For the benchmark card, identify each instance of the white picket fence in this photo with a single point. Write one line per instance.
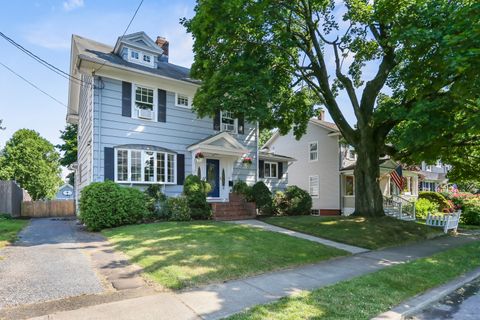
(447, 221)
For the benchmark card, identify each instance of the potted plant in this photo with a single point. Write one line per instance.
(247, 162)
(199, 157)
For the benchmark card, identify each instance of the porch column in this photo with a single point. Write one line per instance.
(409, 184)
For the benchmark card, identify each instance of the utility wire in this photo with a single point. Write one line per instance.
(33, 85)
(124, 32)
(42, 61)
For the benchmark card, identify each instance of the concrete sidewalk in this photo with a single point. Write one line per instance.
(330, 243)
(221, 300)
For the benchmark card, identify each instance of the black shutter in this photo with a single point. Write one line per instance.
(180, 169)
(241, 124)
(261, 168)
(162, 105)
(108, 164)
(280, 170)
(216, 121)
(126, 99)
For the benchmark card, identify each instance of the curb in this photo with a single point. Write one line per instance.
(419, 302)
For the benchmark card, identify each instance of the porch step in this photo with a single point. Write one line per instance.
(237, 209)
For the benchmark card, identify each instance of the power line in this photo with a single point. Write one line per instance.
(42, 61)
(124, 32)
(33, 85)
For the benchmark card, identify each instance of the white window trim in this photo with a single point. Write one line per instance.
(310, 152)
(310, 186)
(270, 164)
(235, 124)
(140, 57)
(155, 102)
(129, 159)
(181, 105)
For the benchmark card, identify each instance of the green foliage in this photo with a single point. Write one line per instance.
(267, 59)
(69, 146)
(262, 197)
(155, 199)
(423, 207)
(437, 198)
(293, 202)
(1, 128)
(177, 209)
(471, 215)
(106, 205)
(241, 187)
(33, 162)
(195, 191)
(265, 135)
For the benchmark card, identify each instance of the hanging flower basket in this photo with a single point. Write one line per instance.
(247, 162)
(199, 157)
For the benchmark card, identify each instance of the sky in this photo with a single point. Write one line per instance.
(45, 27)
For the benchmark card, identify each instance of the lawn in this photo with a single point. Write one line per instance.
(185, 254)
(9, 228)
(370, 233)
(367, 296)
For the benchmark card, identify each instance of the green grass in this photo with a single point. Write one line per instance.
(370, 233)
(367, 296)
(9, 228)
(186, 254)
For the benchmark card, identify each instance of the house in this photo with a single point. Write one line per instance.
(65, 192)
(136, 125)
(317, 165)
(433, 177)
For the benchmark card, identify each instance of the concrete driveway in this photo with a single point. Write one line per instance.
(47, 263)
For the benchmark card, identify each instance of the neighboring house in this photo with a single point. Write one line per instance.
(272, 169)
(137, 127)
(387, 186)
(433, 177)
(317, 168)
(65, 192)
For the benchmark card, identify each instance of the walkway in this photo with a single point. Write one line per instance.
(221, 300)
(330, 243)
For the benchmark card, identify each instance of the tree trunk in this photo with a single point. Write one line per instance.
(368, 196)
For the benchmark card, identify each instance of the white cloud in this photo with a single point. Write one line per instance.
(70, 5)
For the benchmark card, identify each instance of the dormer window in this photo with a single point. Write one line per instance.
(134, 55)
(147, 58)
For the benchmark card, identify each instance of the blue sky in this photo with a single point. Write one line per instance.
(45, 27)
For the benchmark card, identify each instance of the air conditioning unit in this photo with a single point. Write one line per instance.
(145, 114)
(228, 127)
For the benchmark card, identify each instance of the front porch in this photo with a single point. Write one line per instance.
(387, 186)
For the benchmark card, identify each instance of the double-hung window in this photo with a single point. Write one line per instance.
(228, 122)
(270, 170)
(314, 186)
(134, 54)
(144, 103)
(182, 100)
(145, 166)
(313, 151)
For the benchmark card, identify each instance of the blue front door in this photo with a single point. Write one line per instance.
(213, 177)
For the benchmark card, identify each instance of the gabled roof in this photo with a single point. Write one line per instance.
(220, 143)
(139, 40)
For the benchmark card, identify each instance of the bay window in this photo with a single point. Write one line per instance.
(145, 166)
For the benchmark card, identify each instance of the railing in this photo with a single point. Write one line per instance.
(398, 207)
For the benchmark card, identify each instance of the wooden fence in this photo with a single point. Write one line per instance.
(48, 208)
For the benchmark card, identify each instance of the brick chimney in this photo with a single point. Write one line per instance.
(321, 114)
(163, 43)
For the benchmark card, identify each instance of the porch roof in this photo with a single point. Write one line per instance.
(221, 143)
(265, 155)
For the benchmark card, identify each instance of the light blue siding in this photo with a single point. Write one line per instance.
(181, 129)
(84, 138)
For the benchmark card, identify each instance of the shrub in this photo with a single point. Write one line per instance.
(294, 201)
(195, 191)
(177, 209)
(241, 187)
(471, 215)
(423, 207)
(442, 204)
(106, 205)
(155, 199)
(262, 197)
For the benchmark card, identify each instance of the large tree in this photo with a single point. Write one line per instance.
(69, 149)
(33, 162)
(275, 60)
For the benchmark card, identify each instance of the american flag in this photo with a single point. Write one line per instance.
(397, 178)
